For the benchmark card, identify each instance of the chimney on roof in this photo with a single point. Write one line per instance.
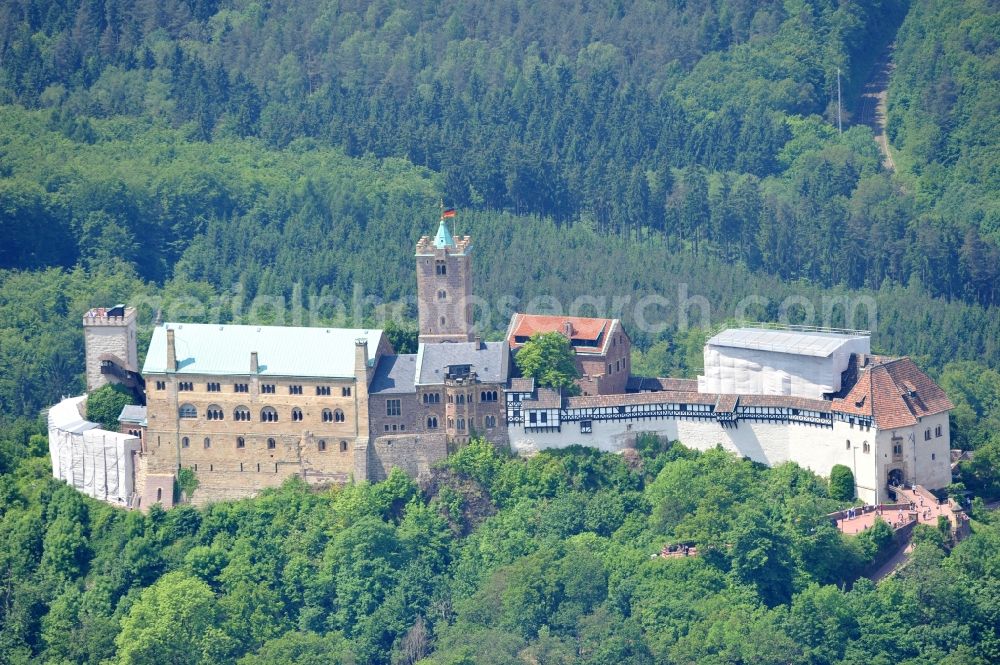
(254, 363)
(568, 329)
(171, 351)
(479, 342)
(361, 360)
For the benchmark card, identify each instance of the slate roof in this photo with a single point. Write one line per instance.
(281, 350)
(395, 375)
(489, 360)
(132, 413)
(638, 384)
(894, 392)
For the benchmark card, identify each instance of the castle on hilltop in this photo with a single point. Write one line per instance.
(244, 407)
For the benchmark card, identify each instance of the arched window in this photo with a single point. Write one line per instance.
(159, 493)
(241, 442)
(460, 399)
(327, 416)
(432, 422)
(491, 421)
(271, 444)
(865, 447)
(461, 424)
(321, 445)
(185, 442)
(338, 416)
(343, 446)
(188, 411)
(208, 442)
(268, 415)
(297, 415)
(214, 412)
(442, 320)
(241, 413)
(437, 398)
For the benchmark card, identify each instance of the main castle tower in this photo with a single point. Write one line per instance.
(444, 287)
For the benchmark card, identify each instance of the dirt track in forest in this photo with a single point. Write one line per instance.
(871, 105)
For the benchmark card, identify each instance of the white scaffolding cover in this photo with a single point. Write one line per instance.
(96, 462)
(752, 361)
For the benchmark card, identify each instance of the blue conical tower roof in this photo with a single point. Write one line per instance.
(443, 238)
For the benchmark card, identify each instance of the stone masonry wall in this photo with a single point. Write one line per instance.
(414, 454)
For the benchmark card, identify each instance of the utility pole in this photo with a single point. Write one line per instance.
(840, 124)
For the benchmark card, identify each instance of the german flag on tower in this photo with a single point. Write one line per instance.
(447, 212)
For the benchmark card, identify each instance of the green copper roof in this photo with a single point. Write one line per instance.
(282, 350)
(443, 238)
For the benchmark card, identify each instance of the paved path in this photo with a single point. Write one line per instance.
(871, 107)
(895, 562)
(926, 510)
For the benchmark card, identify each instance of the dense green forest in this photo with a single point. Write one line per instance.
(275, 161)
(497, 560)
(237, 221)
(706, 124)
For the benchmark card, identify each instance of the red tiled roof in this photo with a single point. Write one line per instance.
(583, 329)
(524, 384)
(789, 401)
(895, 393)
(640, 398)
(545, 398)
(726, 403)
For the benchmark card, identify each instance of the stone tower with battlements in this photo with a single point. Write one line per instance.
(109, 335)
(444, 287)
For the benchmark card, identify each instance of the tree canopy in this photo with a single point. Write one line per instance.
(550, 359)
(496, 559)
(105, 404)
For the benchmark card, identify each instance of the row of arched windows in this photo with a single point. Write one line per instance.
(267, 414)
(271, 444)
(462, 398)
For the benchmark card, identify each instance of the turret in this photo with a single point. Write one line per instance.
(109, 335)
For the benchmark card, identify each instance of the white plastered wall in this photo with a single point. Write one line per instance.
(923, 462)
(817, 448)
